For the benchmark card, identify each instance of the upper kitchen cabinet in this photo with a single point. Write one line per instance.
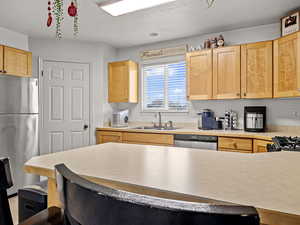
(287, 66)
(227, 73)
(123, 82)
(199, 75)
(257, 70)
(16, 62)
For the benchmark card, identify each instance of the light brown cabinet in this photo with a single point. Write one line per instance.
(147, 138)
(227, 72)
(257, 70)
(16, 62)
(123, 82)
(108, 136)
(199, 75)
(134, 138)
(243, 145)
(260, 145)
(287, 66)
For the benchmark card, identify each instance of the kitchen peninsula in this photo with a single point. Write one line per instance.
(268, 181)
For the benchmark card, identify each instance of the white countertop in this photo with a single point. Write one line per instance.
(267, 180)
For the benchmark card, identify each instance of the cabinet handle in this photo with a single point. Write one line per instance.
(245, 94)
(238, 94)
(1, 71)
(4, 71)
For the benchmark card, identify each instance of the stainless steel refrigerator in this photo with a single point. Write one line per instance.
(19, 119)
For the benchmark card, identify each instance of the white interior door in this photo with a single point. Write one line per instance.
(65, 106)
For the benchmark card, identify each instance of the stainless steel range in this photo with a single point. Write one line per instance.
(19, 117)
(285, 144)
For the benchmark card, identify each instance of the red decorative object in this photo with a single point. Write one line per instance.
(49, 21)
(72, 10)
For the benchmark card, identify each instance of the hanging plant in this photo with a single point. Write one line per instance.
(73, 12)
(59, 17)
(210, 3)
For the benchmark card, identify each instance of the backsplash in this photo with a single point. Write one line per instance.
(281, 112)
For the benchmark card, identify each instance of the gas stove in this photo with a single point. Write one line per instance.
(285, 144)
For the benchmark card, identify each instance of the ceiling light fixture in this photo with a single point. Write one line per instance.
(121, 7)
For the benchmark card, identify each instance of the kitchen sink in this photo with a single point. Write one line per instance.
(154, 128)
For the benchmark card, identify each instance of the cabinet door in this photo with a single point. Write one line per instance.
(199, 75)
(227, 73)
(257, 70)
(17, 62)
(1, 58)
(287, 66)
(260, 145)
(107, 136)
(118, 79)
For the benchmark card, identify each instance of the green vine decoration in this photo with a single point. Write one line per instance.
(59, 17)
(76, 21)
(210, 3)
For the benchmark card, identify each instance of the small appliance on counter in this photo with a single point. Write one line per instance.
(255, 118)
(284, 144)
(231, 120)
(206, 120)
(120, 119)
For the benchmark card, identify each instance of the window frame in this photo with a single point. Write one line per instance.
(147, 110)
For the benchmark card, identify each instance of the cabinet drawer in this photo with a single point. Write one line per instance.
(243, 144)
(107, 136)
(161, 139)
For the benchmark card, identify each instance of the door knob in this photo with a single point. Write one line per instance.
(85, 127)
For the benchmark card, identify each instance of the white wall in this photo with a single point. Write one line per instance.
(13, 39)
(280, 112)
(96, 54)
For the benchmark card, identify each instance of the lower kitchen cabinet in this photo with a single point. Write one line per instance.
(134, 138)
(108, 136)
(147, 138)
(243, 145)
(260, 145)
(228, 144)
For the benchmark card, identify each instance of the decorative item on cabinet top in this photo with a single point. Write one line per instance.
(164, 52)
(290, 24)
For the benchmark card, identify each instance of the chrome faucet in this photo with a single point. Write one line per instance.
(159, 120)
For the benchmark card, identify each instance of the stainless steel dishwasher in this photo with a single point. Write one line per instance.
(196, 141)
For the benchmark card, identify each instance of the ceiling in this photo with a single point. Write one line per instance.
(174, 20)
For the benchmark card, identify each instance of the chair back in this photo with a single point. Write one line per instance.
(5, 183)
(87, 203)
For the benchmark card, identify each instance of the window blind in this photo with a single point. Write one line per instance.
(164, 87)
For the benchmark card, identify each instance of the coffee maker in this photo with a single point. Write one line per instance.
(207, 120)
(255, 118)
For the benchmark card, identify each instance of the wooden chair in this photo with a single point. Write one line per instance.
(51, 216)
(87, 203)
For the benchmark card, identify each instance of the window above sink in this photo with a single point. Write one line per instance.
(164, 87)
